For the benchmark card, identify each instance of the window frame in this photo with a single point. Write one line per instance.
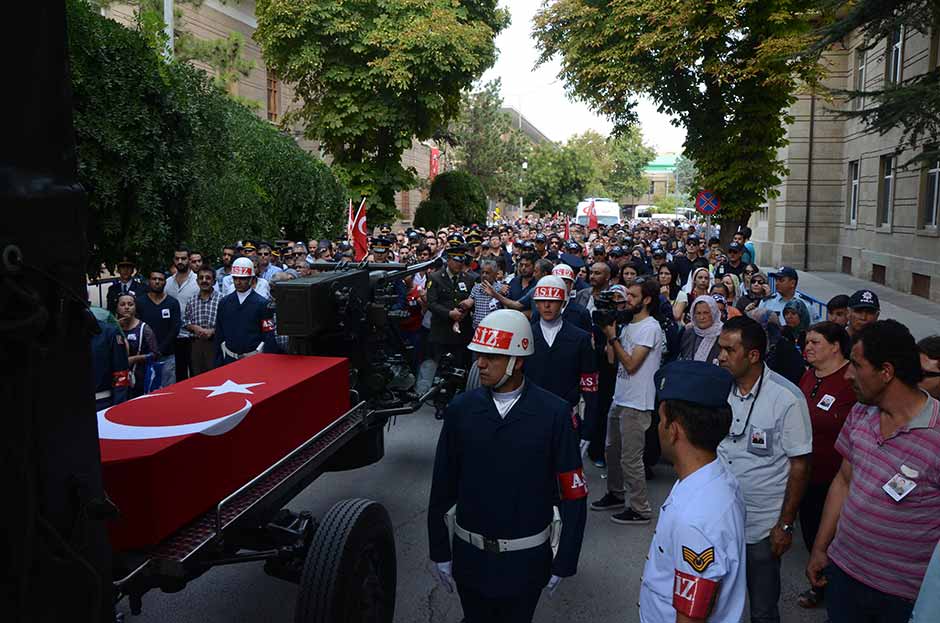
(861, 75)
(854, 186)
(930, 169)
(887, 176)
(273, 95)
(894, 57)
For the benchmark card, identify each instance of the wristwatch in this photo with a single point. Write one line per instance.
(787, 527)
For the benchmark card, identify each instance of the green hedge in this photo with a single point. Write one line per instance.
(456, 196)
(167, 157)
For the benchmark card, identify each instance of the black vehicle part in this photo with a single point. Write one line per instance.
(350, 572)
(366, 448)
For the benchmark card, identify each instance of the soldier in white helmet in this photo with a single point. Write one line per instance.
(508, 453)
(258, 284)
(244, 323)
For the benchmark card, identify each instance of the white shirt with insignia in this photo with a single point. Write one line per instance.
(700, 533)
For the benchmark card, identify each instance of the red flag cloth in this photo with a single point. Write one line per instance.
(360, 239)
(591, 212)
(169, 456)
(435, 164)
(567, 230)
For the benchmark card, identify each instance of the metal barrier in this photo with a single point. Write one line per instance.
(101, 295)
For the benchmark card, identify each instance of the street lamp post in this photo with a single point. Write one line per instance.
(525, 165)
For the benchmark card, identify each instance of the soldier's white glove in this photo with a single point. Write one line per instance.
(584, 447)
(445, 574)
(553, 583)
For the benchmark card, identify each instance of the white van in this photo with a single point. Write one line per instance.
(608, 211)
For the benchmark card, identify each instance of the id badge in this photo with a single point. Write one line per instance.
(826, 402)
(760, 441)
(462, 286)
(164, 313)
(898, 487)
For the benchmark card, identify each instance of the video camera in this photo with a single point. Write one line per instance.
(605, 310)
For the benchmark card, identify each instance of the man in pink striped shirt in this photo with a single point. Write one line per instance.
(882, 515)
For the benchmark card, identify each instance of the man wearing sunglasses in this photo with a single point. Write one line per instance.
(929, 348)
(266, 270)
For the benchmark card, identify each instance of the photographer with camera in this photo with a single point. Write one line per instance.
(636, 340)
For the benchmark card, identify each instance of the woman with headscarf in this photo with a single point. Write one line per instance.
(782, 356)
(671, 289)
(797, 321)
(701, 343)
(733, 284)
(700, 284)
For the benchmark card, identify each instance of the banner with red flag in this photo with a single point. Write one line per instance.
(360, 239)
(591, 213)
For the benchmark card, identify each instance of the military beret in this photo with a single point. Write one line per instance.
(696, 382)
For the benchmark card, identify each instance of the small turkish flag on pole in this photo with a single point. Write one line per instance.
(359, 238)
(592, 215)
(567, 231)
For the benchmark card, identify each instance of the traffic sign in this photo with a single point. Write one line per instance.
(707, 202)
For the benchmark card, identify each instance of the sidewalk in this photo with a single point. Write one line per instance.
(920, 315)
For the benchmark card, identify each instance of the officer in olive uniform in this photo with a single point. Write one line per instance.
(695, 567)
(109, 364)
(507, 455)
(450, 305)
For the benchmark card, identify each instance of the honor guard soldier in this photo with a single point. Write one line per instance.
(450, 304)
(695, 569)
(127, 283)
(109, 363)
(506, 456)
(244, 323)
(380, 248)
(564, 362)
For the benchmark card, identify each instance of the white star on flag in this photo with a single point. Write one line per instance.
(229, 387)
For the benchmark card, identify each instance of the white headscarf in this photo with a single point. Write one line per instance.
(688, 287)
(710, 334)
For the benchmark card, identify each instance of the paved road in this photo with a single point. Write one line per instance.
(605, 589)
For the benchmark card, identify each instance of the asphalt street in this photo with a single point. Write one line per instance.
(604, 590)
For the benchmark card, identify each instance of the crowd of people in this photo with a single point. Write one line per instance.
(633, 341)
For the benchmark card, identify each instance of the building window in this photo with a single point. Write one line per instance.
(894, 57)
(934, 49)
(858, 102)
(273, 99)
(652, 188)
(886, 190)
(931, 194)
(853, 191)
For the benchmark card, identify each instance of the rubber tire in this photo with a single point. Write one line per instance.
(350, 572)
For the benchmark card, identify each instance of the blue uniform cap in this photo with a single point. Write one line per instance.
(697, 382)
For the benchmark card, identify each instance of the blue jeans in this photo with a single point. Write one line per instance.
(850, 601)
(169, 370)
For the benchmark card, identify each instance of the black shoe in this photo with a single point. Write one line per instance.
(607, 503)
(630, 517)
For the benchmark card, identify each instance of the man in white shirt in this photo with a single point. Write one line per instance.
(768, 450)
(638, 351)
(182, 286)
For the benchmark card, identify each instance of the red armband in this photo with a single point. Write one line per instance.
(572, 485)
(267, 325)
(120, 379)
(694, 596)
(589, 382)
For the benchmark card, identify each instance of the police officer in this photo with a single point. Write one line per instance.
(507, 454)
(244, 323)
(450, 305)
(380, 248)
(564, 362)
(127, 283)
(109, 363)
(695, 569)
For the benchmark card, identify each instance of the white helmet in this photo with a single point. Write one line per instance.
(504, 332)
(564, 271)
(243, 267)
(551, 288)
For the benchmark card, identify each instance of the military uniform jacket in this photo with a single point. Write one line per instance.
(135, 287)
(505, 475)
(444, 294)
(109, 364)
(243, 326)
(696, 560)
(567, 368)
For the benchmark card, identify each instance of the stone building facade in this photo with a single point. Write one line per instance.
(850, 203)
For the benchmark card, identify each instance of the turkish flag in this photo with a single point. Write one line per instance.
(360, 239)
(591, 212)
(435, 164)
(169, 456)
(567, 229)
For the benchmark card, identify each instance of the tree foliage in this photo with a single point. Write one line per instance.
(557, 178)
(486, 144)
(913, 105)
(371, 75)
(455, 195)
(166, 156)
(686, 174)
(726, 69)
